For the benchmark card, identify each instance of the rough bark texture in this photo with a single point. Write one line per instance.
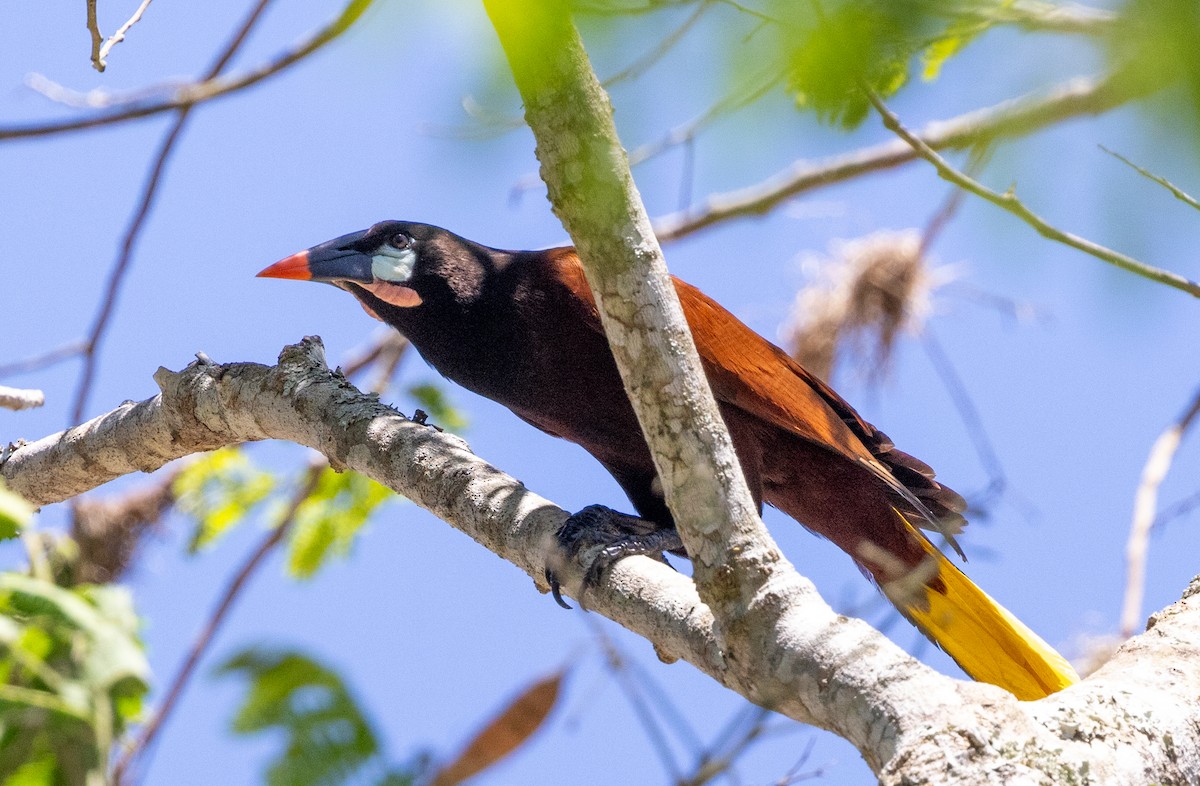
(1136, 721)
(781, 645)
(592, 191)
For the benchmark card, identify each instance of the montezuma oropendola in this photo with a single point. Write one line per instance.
(521, 328)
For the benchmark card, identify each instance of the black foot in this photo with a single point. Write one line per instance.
(618, 535)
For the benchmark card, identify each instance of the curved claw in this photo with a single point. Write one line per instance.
(556, 589)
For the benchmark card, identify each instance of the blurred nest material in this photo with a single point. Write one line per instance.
(862, 296)
(108, 532)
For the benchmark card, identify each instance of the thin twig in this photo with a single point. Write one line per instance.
(204, 90)
(44, 360)
(794, 775)
(969, 414)
(1145, 502)
(20, 398)
(133, 232)
(1009, 202)
(98, 97)
(119, 36)
(1012, 118)
(1177, 509)
(647, 61)
(728, 104)
(200, 646)
(394, 350)
(941, 219)
(93, 26)
(616, 662)
(117, 275)
(1175, 190)
(680, 135)
(730, 743)
(385, 342)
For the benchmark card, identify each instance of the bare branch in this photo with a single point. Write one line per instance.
(208, 406)
(972, 420)
(1009, 202)
(220, 613)
(737, 98)
(93, 26)
(647, 61)
(593, 194)
(205, 90)
(618, 666)
(1145, 503)
(119, 36)
(1175, 190)
(121, 266)
(1037, 16)
(820, 667)
(1012, 118)
(20, 398)
(44, 360)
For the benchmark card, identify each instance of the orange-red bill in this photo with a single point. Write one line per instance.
(294, 267)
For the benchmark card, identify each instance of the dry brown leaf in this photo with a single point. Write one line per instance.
(505, 733)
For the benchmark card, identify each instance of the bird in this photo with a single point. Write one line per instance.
(522, 328)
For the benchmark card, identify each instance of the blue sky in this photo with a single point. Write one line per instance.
(431, 631)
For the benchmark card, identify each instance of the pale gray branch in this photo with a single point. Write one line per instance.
(20, 398)
(119, 36)
(1009, 201)
(1145, 505)
(1013, 118)
(1132, 722)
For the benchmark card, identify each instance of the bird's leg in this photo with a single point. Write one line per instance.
(616, 535)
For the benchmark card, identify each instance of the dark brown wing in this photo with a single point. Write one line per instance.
(750, 373)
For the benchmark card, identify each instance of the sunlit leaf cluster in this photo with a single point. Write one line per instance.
(74, 675)
(14, 513)
(328, 738)
(328, 520)
(218, 491)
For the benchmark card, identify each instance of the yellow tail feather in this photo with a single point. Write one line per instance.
(984, 638)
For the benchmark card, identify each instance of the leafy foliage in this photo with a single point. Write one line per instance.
(1156, 43)
(219, 490)
(836, 50)
(74, 676)
(329, 738)
(327, 521)
(14, 513)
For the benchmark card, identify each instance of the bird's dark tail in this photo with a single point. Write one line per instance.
(983, 637)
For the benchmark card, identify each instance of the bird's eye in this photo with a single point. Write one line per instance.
(400, 241)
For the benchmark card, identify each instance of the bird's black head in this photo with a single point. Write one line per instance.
(397, 266)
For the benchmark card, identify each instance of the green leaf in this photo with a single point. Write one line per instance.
(329, 739)
(34, 772)
(219, 490)
(113, 654)
(434, 401)
(954, 40)
(327, 522)
(15, 513)
(74, 677)
(1154, 44)
(857, 43)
